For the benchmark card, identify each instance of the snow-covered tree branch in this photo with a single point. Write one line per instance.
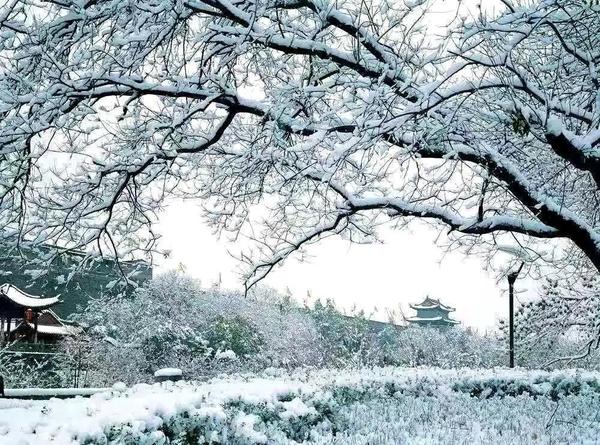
(320, 118)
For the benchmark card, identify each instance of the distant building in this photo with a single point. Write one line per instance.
(72, 276)
(28, 318)
(431, 312)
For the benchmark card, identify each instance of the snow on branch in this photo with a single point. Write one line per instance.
(320, 112)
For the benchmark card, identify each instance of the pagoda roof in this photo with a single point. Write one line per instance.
(20, 298)
(431, 319)
(431, 303)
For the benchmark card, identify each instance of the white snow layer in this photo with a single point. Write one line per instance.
(226, 355)
(52, 392)
(168, 372)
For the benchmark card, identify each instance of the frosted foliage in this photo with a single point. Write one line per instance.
(377, 406)
(457, 420)
(175, 323)
(292, 121)
(450, 348)
(562, 324)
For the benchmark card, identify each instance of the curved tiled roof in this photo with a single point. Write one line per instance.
(431, 319)
(431, 303)
(24, 299)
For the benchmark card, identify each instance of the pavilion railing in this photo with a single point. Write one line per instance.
(26, 348)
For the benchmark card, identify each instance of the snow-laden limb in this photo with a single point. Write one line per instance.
(108, 109)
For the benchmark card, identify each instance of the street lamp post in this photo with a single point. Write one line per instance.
(512, 277)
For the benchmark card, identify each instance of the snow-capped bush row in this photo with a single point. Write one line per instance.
(458, 419)
(374, 406)
(553, 386)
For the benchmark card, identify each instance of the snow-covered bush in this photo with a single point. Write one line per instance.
(362, 406)
(446, 348)
(174, 322)
(346, 338)
(554, 386)
(234, 334)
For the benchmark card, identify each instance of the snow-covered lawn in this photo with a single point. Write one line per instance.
(380, 406)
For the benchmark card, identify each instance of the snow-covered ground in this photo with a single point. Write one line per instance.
(377, 406)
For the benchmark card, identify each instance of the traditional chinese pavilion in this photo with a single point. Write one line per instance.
(26, 317)
(431, 312)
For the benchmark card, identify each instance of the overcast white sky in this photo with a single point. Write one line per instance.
(404, 269)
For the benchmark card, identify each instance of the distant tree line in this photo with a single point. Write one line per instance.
(173, 322)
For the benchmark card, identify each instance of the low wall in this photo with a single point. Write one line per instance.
(49, 393)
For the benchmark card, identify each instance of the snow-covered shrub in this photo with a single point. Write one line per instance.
(280, 333)
(560, 326)
(554, 386)
(374, 406)
(234, 334)
(459, 419)
(175, 323)
(347, 339)
(446, 348)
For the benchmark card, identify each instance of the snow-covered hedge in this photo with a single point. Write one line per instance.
(317, 407)
(555, 385)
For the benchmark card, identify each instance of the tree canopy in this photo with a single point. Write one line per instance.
(330, 117)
